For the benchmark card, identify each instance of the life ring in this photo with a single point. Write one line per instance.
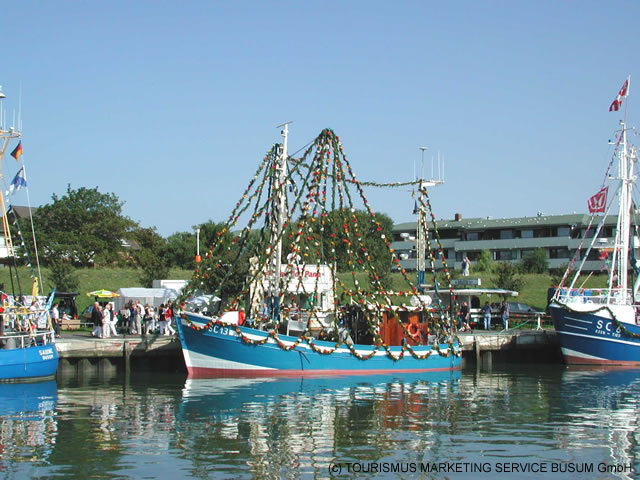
(413, 330)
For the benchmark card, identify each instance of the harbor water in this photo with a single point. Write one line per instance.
(520, 421)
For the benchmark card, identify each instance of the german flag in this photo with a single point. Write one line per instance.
(17, 152)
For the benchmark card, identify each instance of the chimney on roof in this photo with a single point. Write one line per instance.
(457, 217)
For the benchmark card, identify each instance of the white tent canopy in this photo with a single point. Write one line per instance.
(152, 296)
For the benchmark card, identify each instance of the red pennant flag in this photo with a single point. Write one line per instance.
(598, 202)
(624, 91)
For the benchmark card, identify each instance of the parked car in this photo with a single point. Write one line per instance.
(519, 308)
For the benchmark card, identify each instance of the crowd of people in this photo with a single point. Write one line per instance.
(134, 318)
(464, 315)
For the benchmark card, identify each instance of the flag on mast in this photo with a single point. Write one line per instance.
(17, 152)
(624, 92)
(598, 202)
(18, 181)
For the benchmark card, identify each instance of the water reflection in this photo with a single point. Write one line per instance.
(268, 427)
(154, 425)
(27, 423)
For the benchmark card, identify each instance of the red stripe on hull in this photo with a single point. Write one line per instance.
(573, 360)
(200, 372)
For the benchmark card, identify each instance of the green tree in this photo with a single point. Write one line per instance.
(63, 275)
(535, 262)
(227, 267)
(508, 277)
(484, 262)
(84, 227)
(181, 250)
(151, 256)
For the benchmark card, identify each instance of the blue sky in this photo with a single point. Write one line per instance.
(172, 105)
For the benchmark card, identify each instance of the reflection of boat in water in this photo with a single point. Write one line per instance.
(27, 348)
(27, 421)
(277, 285)
(600, 399)
(284, 416)
(28, 398)
(235, 391)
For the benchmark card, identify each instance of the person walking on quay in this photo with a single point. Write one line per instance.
(486, 312)
(169, 318)
(55, 319)
(96, 319)
(148, 319)
(139, 317)
(465, 316)
(133, 313)
(107, 322)
(504, 310)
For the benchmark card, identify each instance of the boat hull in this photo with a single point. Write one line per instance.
(30, 363)
(592, 337)
(218, 350)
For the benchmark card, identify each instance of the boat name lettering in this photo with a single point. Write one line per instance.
(607, 329)
(220, 330)
(46, 354)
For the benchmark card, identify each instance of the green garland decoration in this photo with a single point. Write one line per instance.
(328, 163)
(615, 320)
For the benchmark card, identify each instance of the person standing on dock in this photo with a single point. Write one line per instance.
(504, 310)
(96, 319)
(139, 317)
(55, 319)
(486, 312)
(107, 322)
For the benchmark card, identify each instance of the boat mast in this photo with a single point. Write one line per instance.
(281, 206)
(623, 227)
(5, 137)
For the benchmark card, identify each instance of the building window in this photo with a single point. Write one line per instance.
(472, 236)
(559, 252)
(502, 255)
(527, 234)
(506, 234)
(562, 232)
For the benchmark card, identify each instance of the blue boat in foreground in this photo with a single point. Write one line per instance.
(212, 348)
(273, 301)
(602, 326)
(27, 348)
(28, 356)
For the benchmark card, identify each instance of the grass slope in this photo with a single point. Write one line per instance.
(533, 293)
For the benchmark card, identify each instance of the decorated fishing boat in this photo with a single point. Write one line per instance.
(274, 302)
(600, 326)
(27, 339)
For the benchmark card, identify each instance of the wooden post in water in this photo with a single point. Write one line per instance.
(126, 352)
(476, 348)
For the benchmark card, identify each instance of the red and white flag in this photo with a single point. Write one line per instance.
(598, 202)
(624, 92)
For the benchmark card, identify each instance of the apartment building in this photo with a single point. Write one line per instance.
(510, 239)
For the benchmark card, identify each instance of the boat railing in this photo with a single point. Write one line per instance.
(598, 296)
(12, 340)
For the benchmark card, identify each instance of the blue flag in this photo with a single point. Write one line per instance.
(18, 181)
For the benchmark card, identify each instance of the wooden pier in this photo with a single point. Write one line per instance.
(82, 352)
(484, 348)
